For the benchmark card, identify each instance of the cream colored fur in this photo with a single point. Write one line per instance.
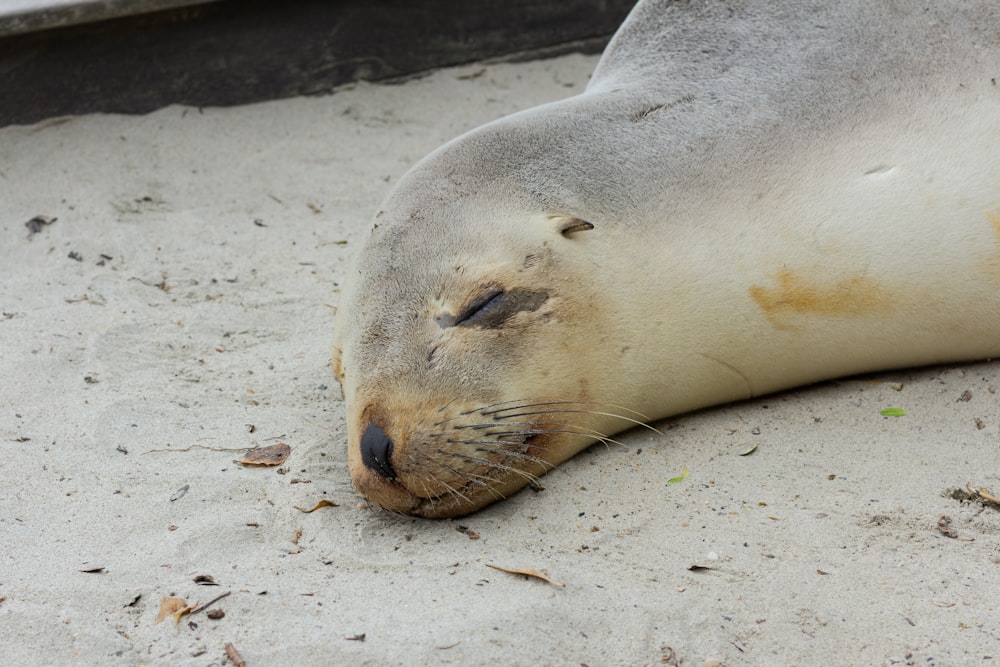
(781, 192)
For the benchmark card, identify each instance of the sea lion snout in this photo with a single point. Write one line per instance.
(376, 451)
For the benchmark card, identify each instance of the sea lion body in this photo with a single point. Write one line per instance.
(747, 197)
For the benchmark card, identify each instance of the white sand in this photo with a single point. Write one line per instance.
(823, 545)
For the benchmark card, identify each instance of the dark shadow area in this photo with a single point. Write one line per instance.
(229, 53)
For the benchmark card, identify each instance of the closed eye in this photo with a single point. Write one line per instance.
(494, 307)
(480, 308)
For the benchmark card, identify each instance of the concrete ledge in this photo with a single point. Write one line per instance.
(226, 53)
(21, 16)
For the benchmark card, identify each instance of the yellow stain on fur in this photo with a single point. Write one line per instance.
(795, 296)
(994, 218)
(993, 264)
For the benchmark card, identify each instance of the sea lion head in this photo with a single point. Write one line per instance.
(466, 344)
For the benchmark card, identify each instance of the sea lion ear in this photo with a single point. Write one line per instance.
(568, 226)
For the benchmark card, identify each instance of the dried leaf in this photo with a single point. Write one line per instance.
(322, 503)
(750, 451)
(169, 606)
(527, 572)
(180, 613)
(274, 455)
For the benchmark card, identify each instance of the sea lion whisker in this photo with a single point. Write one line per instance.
(445, 406)
(509, 468)
(483, 481)
(428, 479)
(594, 434)
(583, 403)
(519, 455)
(475, 427)
(489, 405)
(451, 490)
(453, 441)
(546, 466)
(496, 465)
(589, 412)
(580, 430)
(518, 405)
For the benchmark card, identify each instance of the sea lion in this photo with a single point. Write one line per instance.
(748, 196)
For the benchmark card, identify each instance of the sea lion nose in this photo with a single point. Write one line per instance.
(376, 448)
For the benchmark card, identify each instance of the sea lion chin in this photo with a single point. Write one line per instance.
(744, 199)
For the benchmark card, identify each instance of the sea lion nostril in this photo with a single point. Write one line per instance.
(376, 448)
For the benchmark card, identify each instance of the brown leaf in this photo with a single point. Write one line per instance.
(274, 455)
(322, 503)
(180, 613)
(527, 572)
(168, 606)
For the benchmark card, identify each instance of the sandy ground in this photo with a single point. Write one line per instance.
(175, 315)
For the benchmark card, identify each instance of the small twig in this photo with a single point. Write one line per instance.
(234, 656)
(983, 495)
(203, 607)
(188, 449)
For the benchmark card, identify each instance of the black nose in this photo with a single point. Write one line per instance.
(376, 448)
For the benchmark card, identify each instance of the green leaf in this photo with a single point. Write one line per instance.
(893, 412)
